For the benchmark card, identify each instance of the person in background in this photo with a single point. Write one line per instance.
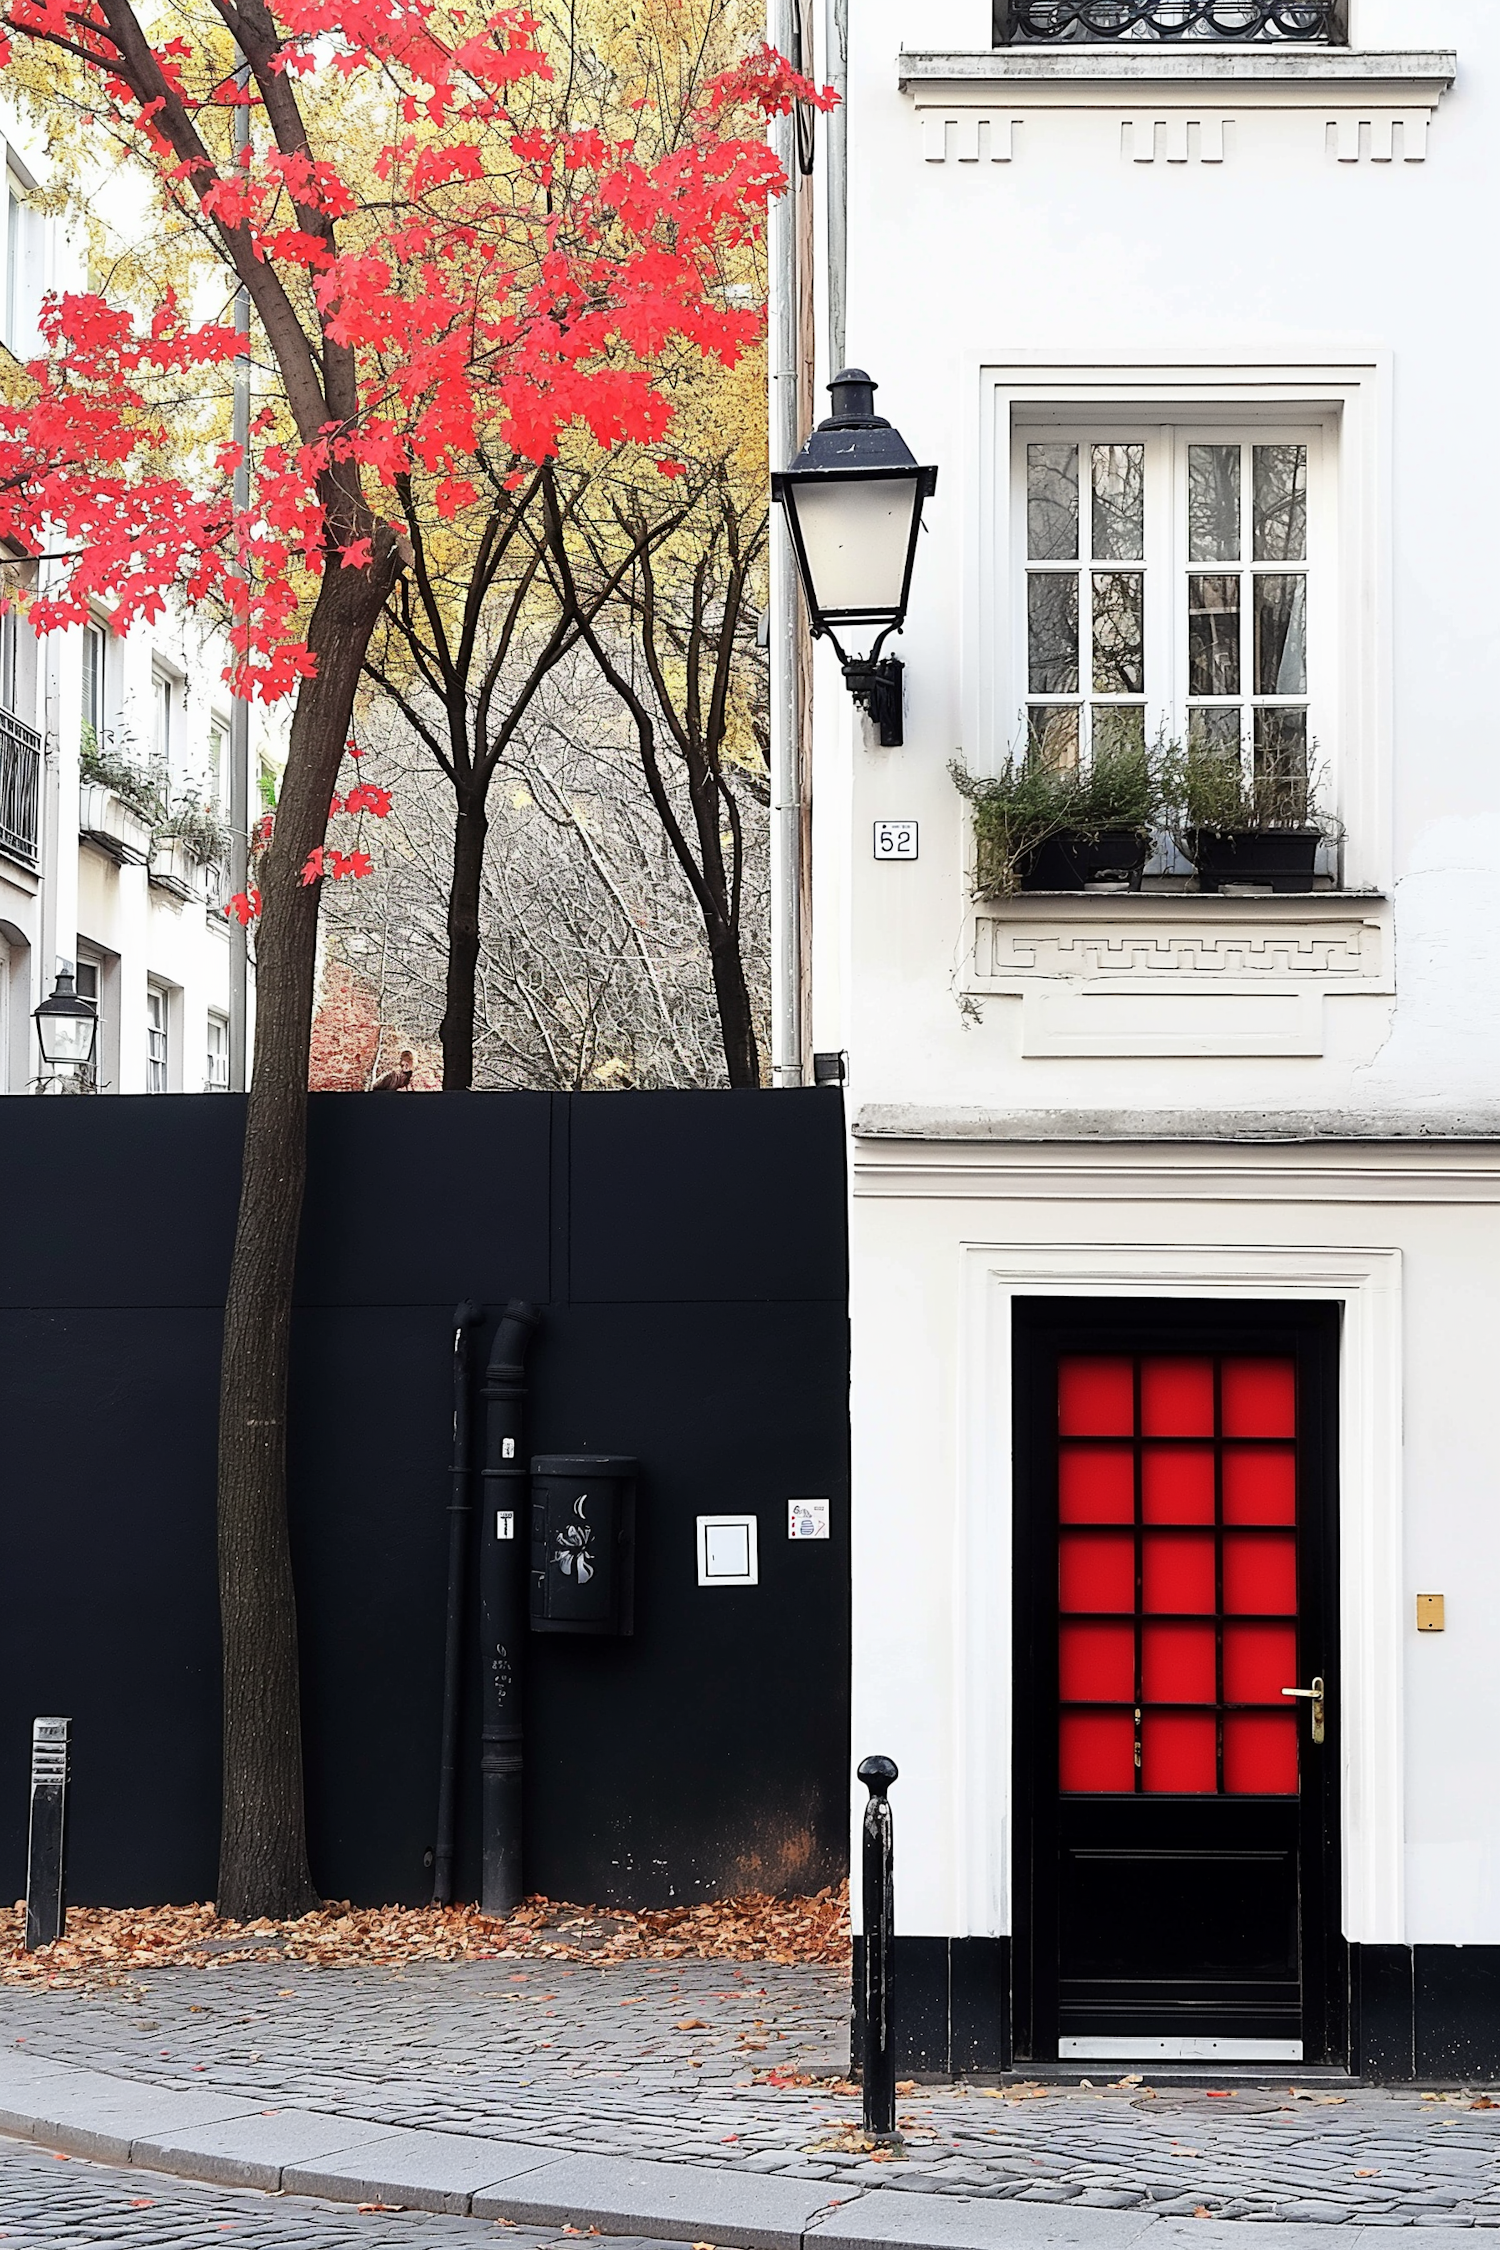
(397, 1081)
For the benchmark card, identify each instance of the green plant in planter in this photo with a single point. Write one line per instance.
(1033, 800)
(199, 827)
(1264, 827)
(139, 790)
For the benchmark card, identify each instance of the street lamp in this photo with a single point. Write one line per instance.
(66, 1028)
(853, 500)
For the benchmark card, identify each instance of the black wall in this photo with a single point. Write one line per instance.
(689, 1253)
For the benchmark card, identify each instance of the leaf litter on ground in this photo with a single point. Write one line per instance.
(108, 1945)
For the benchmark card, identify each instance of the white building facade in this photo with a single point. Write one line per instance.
(1175, 1213)
(114, 790)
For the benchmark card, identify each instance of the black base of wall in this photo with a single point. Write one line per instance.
(952, 2004)
(1419, 2012)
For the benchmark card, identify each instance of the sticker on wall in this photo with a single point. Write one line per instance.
(728, 1551)
(895, 839)
(807, 1519)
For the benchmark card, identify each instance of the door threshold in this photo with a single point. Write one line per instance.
(1099, 2074)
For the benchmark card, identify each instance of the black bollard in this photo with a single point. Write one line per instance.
(504, 1584)
(46, 1892)
(878, 1897)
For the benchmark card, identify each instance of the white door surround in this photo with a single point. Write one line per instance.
(1367, 1284)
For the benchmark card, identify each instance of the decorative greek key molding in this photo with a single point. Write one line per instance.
(1177, 135)
(970, 135)
(1244, 952)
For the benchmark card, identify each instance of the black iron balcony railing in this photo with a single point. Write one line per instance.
(20, 788)
(1306, 23)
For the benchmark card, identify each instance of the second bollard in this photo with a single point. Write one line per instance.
(878, 1897)
(46, 1856)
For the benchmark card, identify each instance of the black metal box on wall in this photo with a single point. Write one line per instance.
(583, 1544)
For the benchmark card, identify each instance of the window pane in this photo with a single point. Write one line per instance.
(1213, 503)
(1216, 733)
(1052, 503)
(1281, 503)
(1119, 503)
(1117, 728)
(1281, 764)
(1119, 633)
(1052, 634)
(1052, 735)
(1213, 636)
(1280, 636)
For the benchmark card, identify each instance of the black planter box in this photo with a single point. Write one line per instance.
(1283, 859)
(1071, 862)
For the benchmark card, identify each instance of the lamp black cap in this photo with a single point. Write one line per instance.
(855, 437)
(853, 394)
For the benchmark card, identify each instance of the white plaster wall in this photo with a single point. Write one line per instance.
(1282, 253)
(931, 1593)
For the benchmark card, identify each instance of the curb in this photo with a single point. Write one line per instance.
(226, 2140)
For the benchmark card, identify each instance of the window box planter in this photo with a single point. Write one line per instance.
(175, 868)
(1071, 861)
(1280, 859)
(112, 824)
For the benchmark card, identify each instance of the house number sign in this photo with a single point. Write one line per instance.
(895, 839)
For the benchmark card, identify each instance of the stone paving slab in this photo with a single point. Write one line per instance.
(685, 2203)
(883, 2221)
(424, 2171)
(252, 2151)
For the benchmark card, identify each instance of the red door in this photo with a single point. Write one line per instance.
(1178, 1786)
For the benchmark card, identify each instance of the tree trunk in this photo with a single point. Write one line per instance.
(736, 1022)
(470, 828)
(263, 1868)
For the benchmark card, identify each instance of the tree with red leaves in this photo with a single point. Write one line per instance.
(445, 270)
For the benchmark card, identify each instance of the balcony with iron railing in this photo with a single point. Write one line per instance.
(1302, 23)
(20, 789)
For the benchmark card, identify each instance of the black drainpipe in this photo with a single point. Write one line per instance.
(466, 1318)
(504, 1564)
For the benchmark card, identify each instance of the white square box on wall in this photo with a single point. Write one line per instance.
(728, 1551)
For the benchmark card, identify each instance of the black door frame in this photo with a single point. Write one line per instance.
(1042, 1327)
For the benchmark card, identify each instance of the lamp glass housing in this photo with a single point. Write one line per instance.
(66, 1027)
(856, 535)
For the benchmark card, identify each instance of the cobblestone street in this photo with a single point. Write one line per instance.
(669, 2061)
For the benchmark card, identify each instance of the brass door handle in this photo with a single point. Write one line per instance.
(1314, 1695)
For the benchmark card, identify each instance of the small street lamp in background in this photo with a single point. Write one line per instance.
(66, 1028)
(853, 499)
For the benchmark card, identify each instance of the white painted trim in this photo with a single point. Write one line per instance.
(1282, 76)
(1367, 1283)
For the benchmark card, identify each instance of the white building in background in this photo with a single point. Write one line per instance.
(114, 788)
(1176, 1215)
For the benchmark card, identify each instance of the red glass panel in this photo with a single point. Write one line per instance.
(1096, 1663)
(1178, 1572)
(1177, 1397)
(1260, 1397)
(1095, 1398)
(1096, 1570)
(1177, 1664)
(1096, 1484)
(1177, 1484)
(1095, 1752)
(1260, 1753)
(1260, 1484)
(1260, 1574)
(1179, 1753)
(1259, 1661)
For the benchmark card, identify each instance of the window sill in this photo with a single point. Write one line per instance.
(1402, 73)
(1170, 893)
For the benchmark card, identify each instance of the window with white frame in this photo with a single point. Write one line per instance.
(216, 1079)
(165, 692)
(95, 657)
(156, 1039)
(23, 279)
(218, 762)
(1169, 583)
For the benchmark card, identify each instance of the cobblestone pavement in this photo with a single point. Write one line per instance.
(47, 2200)
(660, 2060)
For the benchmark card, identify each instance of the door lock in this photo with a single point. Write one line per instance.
(1314, 1695)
